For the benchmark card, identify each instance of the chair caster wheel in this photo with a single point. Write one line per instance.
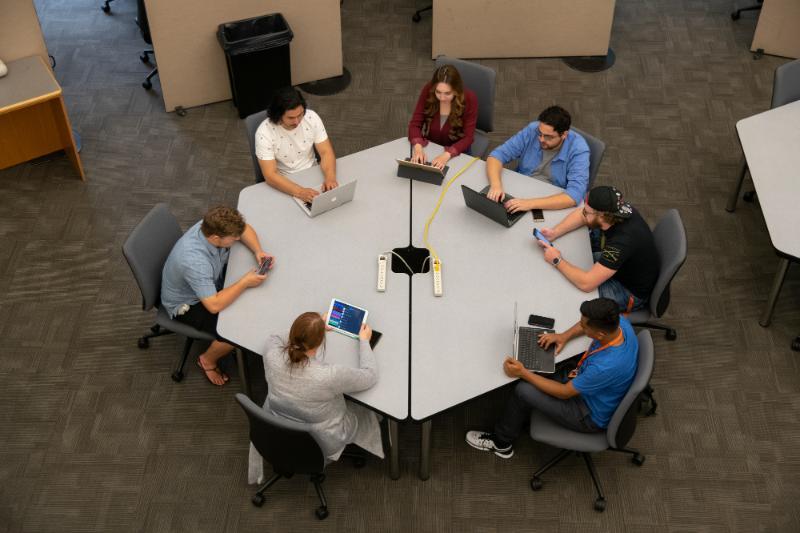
(106, 9)
(671, 335)
(144, 59)
(749, 196)
(258, 500)
(143, 343)
(180, 111)
(638, 459)
(796, 344)
(147, 85)
(321, 512)
(735, 16)
(177, 376)
(416, 17)
(600, 505)
(536, 484)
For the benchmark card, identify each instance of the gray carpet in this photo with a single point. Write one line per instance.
(96, 437)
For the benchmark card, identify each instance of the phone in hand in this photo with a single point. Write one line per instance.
(538, 234)
(263, 267)
(376, 336)
(541, 321)
(538, 215)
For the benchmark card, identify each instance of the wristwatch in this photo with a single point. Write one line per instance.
(556, 260)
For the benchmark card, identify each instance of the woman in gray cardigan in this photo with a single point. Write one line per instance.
(304, 388)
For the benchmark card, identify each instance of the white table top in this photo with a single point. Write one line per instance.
(331, 255)
(456, 353)
(459, 340)
(771, 145)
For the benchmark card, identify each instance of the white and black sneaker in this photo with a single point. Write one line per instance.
(483, 441)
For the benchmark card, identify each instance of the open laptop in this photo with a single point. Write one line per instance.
(489, 208)
(527, 350)
(328, 200)
(420, 171)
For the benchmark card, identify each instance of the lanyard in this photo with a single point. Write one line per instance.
(615, 342)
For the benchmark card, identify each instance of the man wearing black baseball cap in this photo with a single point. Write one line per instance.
(626, 260)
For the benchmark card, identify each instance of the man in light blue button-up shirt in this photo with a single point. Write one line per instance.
(546, 149)
(191, 283)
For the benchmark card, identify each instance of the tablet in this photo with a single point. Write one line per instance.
(346, 318)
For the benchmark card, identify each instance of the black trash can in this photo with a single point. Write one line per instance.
(257, 53)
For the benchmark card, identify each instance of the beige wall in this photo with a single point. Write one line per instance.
(191, 63)
(521, 28)
(20, 33)
(778, 30)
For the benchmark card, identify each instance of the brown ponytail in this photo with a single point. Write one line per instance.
(307, 332)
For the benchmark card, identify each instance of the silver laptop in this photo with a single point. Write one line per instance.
(527, 350)
(328, 200)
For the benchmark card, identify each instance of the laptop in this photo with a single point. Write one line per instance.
(328, 200)
(489, 208)
(527, 350)
(420, 171)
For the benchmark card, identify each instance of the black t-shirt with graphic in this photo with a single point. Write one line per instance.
(628, 247)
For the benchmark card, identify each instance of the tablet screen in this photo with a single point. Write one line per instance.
(346, 318)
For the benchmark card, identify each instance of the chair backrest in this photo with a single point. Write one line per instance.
(285, 444)
(141, 21)
(146, 249)
(479, 79)
(596, 150)
(252, 123)
(786, 87)
(623, 421)
(670, 239)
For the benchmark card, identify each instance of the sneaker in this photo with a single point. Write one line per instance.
(485, 442)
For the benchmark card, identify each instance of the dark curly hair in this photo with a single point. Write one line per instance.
(446, 74)
(283, 100)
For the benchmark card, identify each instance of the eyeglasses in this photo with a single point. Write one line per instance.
(546, 137)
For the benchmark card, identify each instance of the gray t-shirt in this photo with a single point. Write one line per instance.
(543, 170)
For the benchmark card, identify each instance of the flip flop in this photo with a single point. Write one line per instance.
(216, 369)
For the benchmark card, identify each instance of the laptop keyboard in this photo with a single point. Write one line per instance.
(529, 353)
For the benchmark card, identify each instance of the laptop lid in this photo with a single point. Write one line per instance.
(329, 199)
(516, 332)
(478, 201)
(420, 172)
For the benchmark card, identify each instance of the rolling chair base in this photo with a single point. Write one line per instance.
(157, 331)
(321, 512)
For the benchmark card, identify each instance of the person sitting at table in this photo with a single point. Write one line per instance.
(302, 386)
(626, 259)
(192, 279)
(547, 149)
(580, 397)
(285, 144)
(446, 113)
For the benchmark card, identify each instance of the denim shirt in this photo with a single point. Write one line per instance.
(569, 168)
(193, 270)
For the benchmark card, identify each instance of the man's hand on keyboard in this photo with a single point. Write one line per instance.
(548, 339)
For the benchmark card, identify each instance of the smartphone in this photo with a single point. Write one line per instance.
(376, 336)
(263, 267)
(538, 215)
(538, 235)
(541, 321)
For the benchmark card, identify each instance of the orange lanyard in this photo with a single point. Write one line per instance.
(615, 342)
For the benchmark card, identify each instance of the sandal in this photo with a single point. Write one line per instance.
(216, 369)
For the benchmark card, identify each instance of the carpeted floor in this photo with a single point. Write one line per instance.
(94, 436)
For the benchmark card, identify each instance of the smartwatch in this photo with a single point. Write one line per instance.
(556, 261)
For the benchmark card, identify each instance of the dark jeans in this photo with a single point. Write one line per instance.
(200, 318)
(572, 413)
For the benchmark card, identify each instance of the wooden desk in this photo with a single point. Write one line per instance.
(33, 119)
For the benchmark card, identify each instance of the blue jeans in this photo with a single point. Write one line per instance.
(572, 413)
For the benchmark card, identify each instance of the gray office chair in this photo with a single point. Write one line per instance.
(146, 249)
(290, 448)
(596, 150)
(252, 123)
(144, 29)
(616, 436)
(785, 90)
(481, 80)
(738, 13)
(670, 239)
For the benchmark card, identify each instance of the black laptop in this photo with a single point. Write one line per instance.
(420, 171)
(489, 208)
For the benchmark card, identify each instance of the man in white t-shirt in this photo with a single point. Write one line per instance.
(285, 144)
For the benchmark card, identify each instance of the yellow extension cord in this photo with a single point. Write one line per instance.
(438, 204)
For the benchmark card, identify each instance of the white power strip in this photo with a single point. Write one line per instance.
(437, 277)
(382, 261)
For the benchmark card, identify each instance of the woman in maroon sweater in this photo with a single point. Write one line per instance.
(445, 114)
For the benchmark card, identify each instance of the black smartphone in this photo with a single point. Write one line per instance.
(541, 321)
(376, 336)
(538, 215)
(263, 267)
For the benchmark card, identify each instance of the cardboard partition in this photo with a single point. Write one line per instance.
(20, 32)
(778, 29)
